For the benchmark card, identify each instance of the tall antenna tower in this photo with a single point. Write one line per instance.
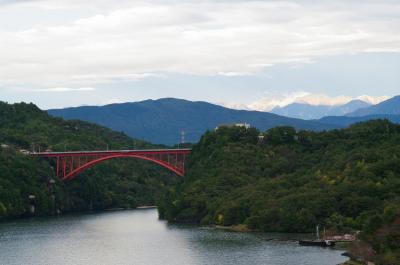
(183, 137)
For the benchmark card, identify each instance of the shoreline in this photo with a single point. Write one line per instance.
(27, 217)
(241, 228)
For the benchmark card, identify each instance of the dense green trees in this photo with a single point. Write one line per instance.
(290, 181)
(113, 184)
(280, 180)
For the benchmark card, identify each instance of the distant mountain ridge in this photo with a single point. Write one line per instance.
(388, 107)
(345, 121)
(161, 121)
(308, 112)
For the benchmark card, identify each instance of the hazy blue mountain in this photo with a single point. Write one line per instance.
(390, 106)
(309, 112)
(161, 121)
(344, 121)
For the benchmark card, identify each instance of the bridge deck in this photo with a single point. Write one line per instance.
(110, 152)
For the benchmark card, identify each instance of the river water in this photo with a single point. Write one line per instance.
(138, 237)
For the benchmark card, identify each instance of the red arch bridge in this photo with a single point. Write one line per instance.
(71, 164)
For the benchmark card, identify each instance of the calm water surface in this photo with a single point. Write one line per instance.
(138, 237)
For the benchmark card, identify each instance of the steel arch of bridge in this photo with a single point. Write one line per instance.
(71, 164)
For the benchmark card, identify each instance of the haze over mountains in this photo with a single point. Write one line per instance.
(308, 112)
(390, 106)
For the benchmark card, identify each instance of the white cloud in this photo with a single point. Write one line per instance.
(373, 100)
(137, 39)
(64, 89)
(234, 105)
(234, 73)
(320, 99)
(112, 101)
(271, 101)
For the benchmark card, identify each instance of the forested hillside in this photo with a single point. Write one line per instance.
(288, 181)
(113, 184)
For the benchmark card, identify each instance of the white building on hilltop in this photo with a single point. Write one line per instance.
(230, 125)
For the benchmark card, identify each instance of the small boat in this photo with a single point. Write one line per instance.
(318, 242)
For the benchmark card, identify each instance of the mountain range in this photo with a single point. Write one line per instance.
(390, 107)
(308, 112)
(345, 121)
(162, 121)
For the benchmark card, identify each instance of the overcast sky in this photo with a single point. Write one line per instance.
(240, 53)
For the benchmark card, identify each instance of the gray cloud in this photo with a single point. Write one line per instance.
(136, 39)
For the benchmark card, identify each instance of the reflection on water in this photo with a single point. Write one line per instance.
(138, 237)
